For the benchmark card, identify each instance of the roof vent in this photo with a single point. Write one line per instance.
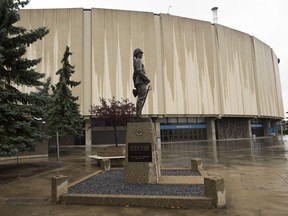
(215, 15)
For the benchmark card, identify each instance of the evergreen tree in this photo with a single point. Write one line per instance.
(43, 93)
(19, 128)
(63, 114)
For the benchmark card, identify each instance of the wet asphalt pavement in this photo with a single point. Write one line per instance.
(255, 174)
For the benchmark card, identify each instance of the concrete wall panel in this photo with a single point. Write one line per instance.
(236, 72)
(266, 82)
(195, 68)
(66, 29)
(189, 66)
(279, 101)
(115, 34)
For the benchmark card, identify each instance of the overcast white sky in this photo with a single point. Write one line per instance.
(264, 19)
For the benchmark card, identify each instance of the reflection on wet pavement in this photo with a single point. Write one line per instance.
(260, 151)
(255, 173)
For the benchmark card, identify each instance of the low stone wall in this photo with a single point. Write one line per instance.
(139, 200)
(59, 187)
(215, 196)
(214, 186)
(196, 166)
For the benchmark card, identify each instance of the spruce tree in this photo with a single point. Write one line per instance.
(64, 116)
(19, 111)
(43, 93)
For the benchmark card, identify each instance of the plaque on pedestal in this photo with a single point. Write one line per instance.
(139, 152)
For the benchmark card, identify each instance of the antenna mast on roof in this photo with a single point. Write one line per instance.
(169, 9)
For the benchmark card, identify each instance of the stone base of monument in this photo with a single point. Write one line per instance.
(140, 183)
(141, 160)
(212, 195)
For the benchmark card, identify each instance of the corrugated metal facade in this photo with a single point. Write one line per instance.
(195, 68)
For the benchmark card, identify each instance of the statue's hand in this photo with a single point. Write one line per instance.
(148, 81)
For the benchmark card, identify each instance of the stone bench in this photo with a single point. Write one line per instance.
(102, 160)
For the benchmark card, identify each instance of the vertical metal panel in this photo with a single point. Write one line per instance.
(236, 71)
(115, 34)
(158, 98)
(265, 80)
(75, 40)
(66, 29)
(107, 56)
(189, 66)
(87, 63)
(279, 104)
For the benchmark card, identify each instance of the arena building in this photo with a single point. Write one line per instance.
(209, 82)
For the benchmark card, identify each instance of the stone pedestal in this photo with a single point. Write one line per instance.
(141, 160)
(214, 188)
(196, 164)
(59, 186)
(105, 164)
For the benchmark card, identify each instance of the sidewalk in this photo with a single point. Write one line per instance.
(251, 189)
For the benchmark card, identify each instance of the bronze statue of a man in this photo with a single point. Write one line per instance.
(140, 81)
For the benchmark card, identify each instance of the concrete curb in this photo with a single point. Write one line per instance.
(23, 157)
(59, 186)
(84, 178)
(214, 186)
(137, 201)
(196, 166)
